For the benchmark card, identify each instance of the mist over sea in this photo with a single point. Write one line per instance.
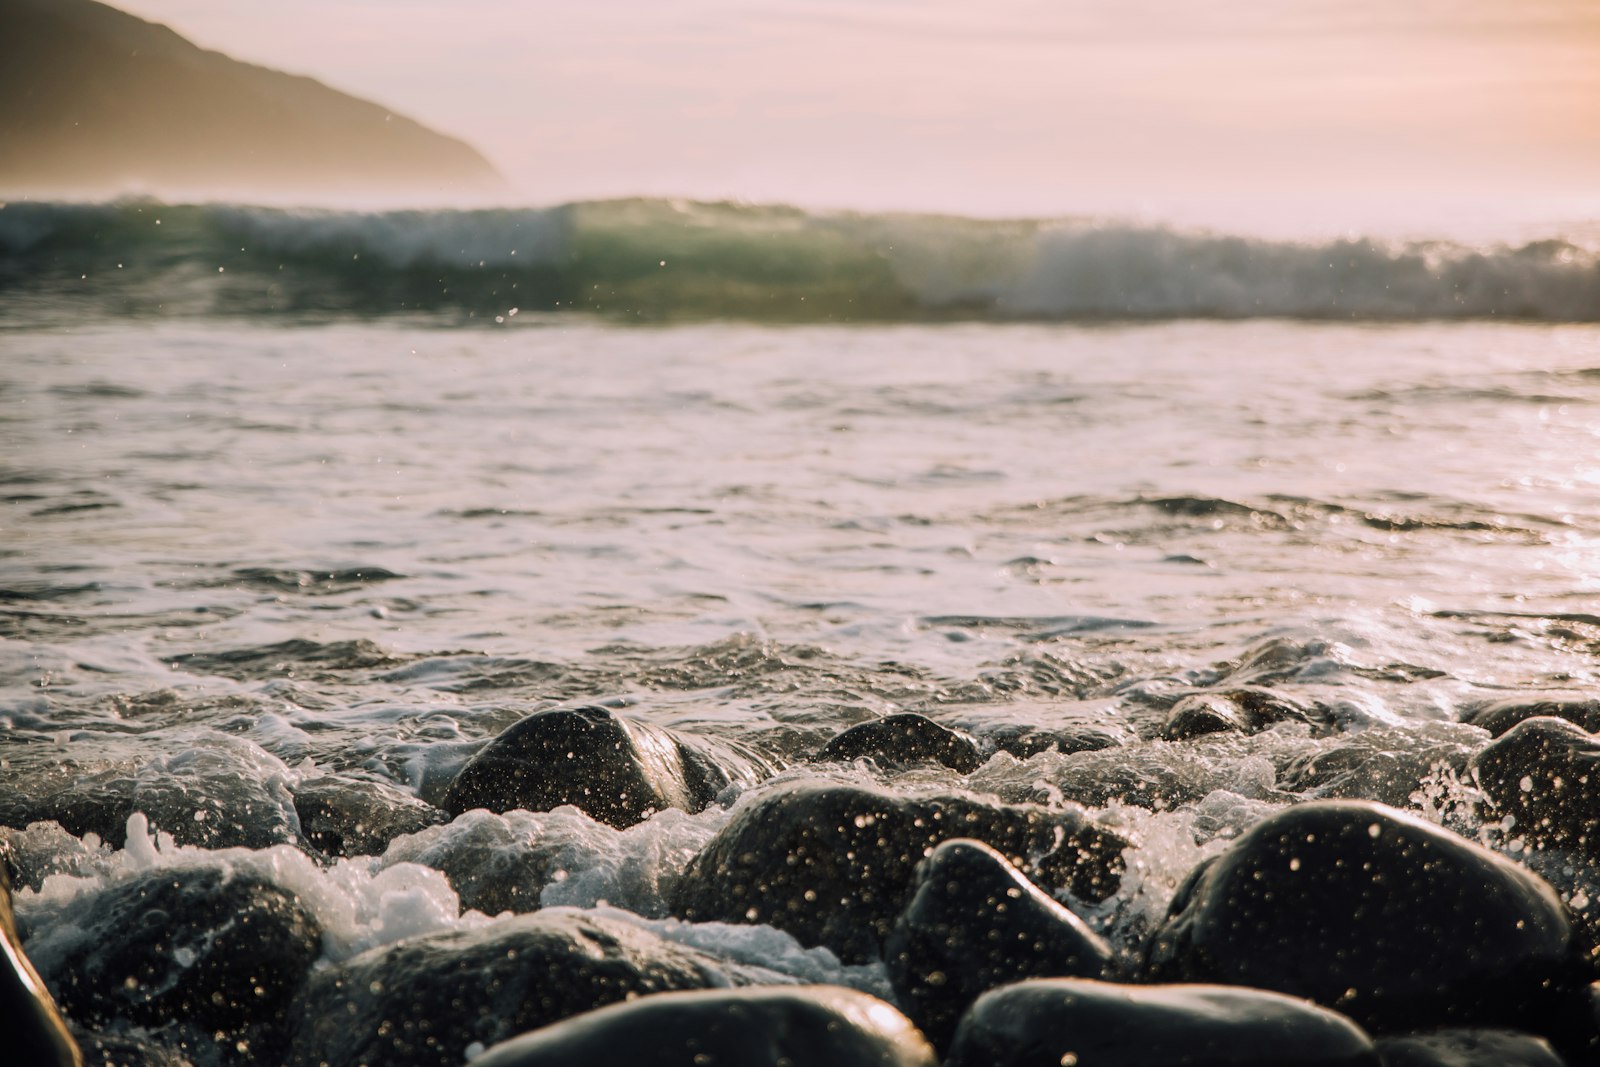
(297, 497)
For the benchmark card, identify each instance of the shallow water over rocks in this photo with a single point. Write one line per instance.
(267, 591)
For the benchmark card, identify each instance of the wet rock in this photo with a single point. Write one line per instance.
(423, 1001)
(1025, 741)
(509, 862)
(216, 792)
(345, 816)
(1546, 772)
(1242, 710)
(1282, 659)
(493, 862)
(132, 1049)
(1576, 1032)
(218, 951)
(1391, 920)
(902, 740)
(1055, 1021)
(42, 849)
(975, 923)
(1466, 1047)
(617, 770)
(814, 1026)
(832, 864)
(1385, 765)
(1498, 716)
(34, 1031)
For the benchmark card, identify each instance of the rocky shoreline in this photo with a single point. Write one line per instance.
(1332, 931)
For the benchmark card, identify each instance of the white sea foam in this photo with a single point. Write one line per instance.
(1153, 272)
(373, 901)
(359, 903)
(524, 860)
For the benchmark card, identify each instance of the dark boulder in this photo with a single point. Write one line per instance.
(424, 1001)
(1055, 1021)
(1026, 740)
(343, 816)
(44, 848)
(1387, 765)
(1467, 1047)
(214, 791)
(1026, 728)
(1394, 921)
(1576, 1032)
(220, 952)
(619, 771)
(975, 923)
(1241, 710)
(133, 1048)
(1498, 716)
(832, 864)
(903, 740)
(813, 1026)
(34, 1031)
(1546, 772)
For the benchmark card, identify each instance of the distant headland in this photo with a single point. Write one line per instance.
(96, 102)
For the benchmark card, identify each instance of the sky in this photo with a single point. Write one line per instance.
(1338, 110)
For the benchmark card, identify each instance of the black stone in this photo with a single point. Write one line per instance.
(219, 792)
(974, 923)
(832, 864)
(1498, 716)
(423, 1001)
(1026, 740)
(1054, 1021)
(221, 953)
(1545, 772)
(1393, 921)
(1240, 710)
(617, 770)
(811, 1026)
(132, 1049)
(902, 740)
(1576, 1032)
(1381, 764)
(1468, 1047)
(31, 1028)
(341, 816)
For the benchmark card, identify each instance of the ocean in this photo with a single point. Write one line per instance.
(327, 497)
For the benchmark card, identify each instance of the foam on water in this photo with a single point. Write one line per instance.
(368, 902)
(521, 861)
(359, 903)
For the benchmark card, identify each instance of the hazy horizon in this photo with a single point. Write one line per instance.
(1309, 114)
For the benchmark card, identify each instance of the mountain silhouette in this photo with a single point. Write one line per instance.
(94, 101)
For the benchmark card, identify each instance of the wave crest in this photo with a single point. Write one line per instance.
(656, 259)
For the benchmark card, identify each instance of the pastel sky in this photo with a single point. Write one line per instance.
(1174, 108)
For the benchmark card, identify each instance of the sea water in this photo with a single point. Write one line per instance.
(351, 499)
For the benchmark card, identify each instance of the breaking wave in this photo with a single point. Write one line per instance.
(661, 260)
